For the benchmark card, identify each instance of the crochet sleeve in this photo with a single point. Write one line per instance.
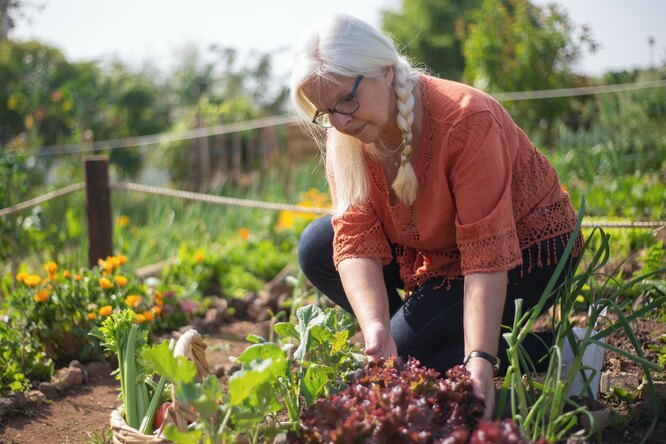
(480, 170)
(358, 232)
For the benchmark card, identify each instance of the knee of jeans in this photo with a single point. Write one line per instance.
(313, 242)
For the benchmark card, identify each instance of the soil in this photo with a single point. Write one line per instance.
(85, 410)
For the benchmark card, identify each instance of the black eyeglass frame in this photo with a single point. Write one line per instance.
(351, 95)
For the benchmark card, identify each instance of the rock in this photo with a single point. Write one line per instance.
(280, 438)
(623, 380)
(77, 364)
(20, 400)
(68, 377)
(36, 397)
(238, 307)
(6, 406)
(50, 390)
(98, 370)
(602, 419)
(213, 318)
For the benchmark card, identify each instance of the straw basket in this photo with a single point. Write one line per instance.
(191, 345)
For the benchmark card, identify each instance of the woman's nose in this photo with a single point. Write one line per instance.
(340, 121)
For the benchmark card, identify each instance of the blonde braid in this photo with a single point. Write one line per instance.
(405, 183)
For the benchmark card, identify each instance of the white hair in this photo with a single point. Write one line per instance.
(344, 46)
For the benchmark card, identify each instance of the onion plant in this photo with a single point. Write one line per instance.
(544, 409)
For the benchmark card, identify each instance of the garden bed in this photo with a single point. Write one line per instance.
(85, 409)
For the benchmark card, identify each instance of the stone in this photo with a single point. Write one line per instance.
(624, 380)
(36, 397)
(98, 370)
(50, 390)
(68, 377)
(6, 405)
(77, 364)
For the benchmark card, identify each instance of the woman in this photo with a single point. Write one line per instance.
(435, 191)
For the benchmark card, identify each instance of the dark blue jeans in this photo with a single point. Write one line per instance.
(429, 325)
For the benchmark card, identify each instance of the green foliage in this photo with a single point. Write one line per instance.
(270, 384)
(426, 30)
(514, 45)
(22, 360)
(539, 407)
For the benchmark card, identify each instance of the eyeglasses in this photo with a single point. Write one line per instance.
(346, 106)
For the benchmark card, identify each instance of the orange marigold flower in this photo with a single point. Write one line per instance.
(42, 296)
(66, 274)
(51, 267)
(158, 294)
(159, 302)
(21, 276)
(133, 300)
(105, 283)
(120, 280)
(105, 311)
(77, 277)
(157, 310)
(114, 261)
(32, 280)
(92, 316)
(563, 188)
(244, 233)
(106, 265)
(122, 259)
(199, 256)
(139, 318)
(148, 315)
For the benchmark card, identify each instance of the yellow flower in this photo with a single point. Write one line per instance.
(122, 259)
(157, 310)
(120, 280)
(92, 316)
(244, 233)
(105, 283)
(66, 274)
(199, 257)
(42, 296)
(123, 221)
(139, 318)
(106, 265)
(21, 276)
(32, 280)
(77, 277)
(51, 267)
(133, 300)
(115, 262)
(580, 298)
(105, 311)
(148, 315)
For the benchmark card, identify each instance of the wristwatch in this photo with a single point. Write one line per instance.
(494, 360)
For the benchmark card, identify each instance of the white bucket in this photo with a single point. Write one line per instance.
(593, 358)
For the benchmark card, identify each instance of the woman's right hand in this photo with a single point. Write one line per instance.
(378, 342)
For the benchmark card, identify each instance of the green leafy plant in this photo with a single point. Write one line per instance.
(539, 407)
(272, 383)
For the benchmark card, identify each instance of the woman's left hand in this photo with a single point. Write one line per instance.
(481, 372)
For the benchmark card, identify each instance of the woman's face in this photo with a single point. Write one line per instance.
(377, 108)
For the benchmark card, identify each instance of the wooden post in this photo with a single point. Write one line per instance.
(98, 208)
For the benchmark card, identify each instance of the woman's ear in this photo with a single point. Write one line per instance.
(388, 74)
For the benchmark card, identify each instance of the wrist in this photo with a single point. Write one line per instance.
(478, 355)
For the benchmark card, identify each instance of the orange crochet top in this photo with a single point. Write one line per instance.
(484, 194)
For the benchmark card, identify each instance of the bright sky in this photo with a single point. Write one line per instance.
(140, 30)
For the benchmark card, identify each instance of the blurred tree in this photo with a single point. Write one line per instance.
(513, 45)
(428, 32)
(8, 8)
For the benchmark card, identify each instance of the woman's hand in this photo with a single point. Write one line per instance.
(481, 372)
(378, 342)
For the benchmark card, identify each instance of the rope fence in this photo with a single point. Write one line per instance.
(249, 203)
(228, 128)
(219, 200)
(41, 199)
